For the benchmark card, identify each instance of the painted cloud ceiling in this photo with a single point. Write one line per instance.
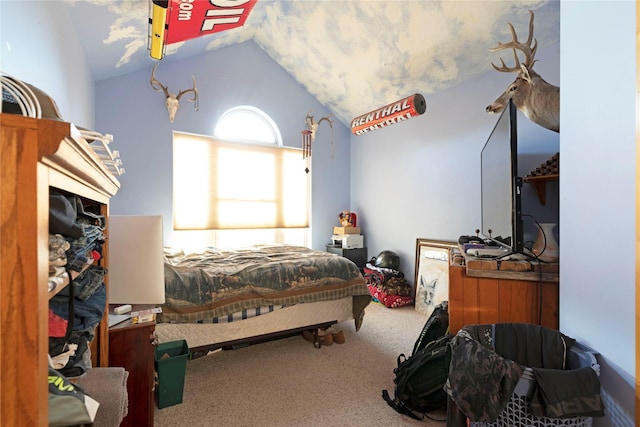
(352, 55)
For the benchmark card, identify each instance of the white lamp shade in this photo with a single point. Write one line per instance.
(136, 261)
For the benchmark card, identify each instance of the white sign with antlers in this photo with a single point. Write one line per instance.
(537, 99)
(172, 101)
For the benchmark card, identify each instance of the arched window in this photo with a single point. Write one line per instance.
(247, 124)
(239, 187)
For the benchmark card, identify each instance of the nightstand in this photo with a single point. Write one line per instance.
(132, 347)
(357, 255)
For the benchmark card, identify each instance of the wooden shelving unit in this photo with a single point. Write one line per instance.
(540, 185)
(538, 178)
(36, 155)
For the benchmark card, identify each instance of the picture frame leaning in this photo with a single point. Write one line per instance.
(431, 281)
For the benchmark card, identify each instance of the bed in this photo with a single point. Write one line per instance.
(227, 298)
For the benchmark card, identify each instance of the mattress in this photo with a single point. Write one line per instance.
(287, 318)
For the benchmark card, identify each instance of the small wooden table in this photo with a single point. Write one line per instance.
(132, 346)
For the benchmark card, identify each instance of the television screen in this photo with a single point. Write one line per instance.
(500, 184)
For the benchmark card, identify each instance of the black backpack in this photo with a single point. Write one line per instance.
(419, 379)
(437, 326)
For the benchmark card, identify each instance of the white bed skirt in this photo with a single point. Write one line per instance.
(296, 316)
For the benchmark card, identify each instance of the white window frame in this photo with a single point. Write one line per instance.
(195, 240)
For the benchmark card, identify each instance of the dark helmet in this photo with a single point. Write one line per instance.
(388, 259)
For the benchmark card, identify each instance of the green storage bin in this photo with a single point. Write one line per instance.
(171, 371)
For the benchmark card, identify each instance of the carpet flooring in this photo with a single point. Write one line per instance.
(288, 382)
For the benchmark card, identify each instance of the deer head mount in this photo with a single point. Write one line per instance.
(537, 99)
(172, 101)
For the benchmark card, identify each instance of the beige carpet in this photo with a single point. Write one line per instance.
(288, 382)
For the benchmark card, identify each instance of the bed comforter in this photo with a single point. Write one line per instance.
(200, 287)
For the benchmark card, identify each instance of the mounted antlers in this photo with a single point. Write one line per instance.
(173, 101)
(537, 99)
(309, 135)
(312, 125)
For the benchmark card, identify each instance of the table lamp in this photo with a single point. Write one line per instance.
(136, 261)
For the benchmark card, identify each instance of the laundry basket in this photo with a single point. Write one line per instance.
(517, 413)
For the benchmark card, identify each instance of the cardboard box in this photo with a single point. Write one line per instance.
(346, 230)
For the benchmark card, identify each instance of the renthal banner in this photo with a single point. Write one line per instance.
(395, 112)
(188, 19)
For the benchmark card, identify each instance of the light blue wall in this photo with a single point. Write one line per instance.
(128, 108)
(414, 179)
(598, 198)
(38, 47)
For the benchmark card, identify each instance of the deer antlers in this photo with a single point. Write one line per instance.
(526, 48)
(531, 94)
(312, 125)
(173, 101)
(309, 135)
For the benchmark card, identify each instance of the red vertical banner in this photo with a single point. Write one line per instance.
(189, 19)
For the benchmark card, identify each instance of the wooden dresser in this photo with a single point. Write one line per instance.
(36, 155)
(490, 296)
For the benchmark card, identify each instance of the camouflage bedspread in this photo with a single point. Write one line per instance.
(215, 283)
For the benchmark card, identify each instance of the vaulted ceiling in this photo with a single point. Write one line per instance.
(353, 55)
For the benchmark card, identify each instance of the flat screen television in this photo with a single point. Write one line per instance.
(500, 184)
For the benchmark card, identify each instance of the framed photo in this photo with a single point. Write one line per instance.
(431, 283)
